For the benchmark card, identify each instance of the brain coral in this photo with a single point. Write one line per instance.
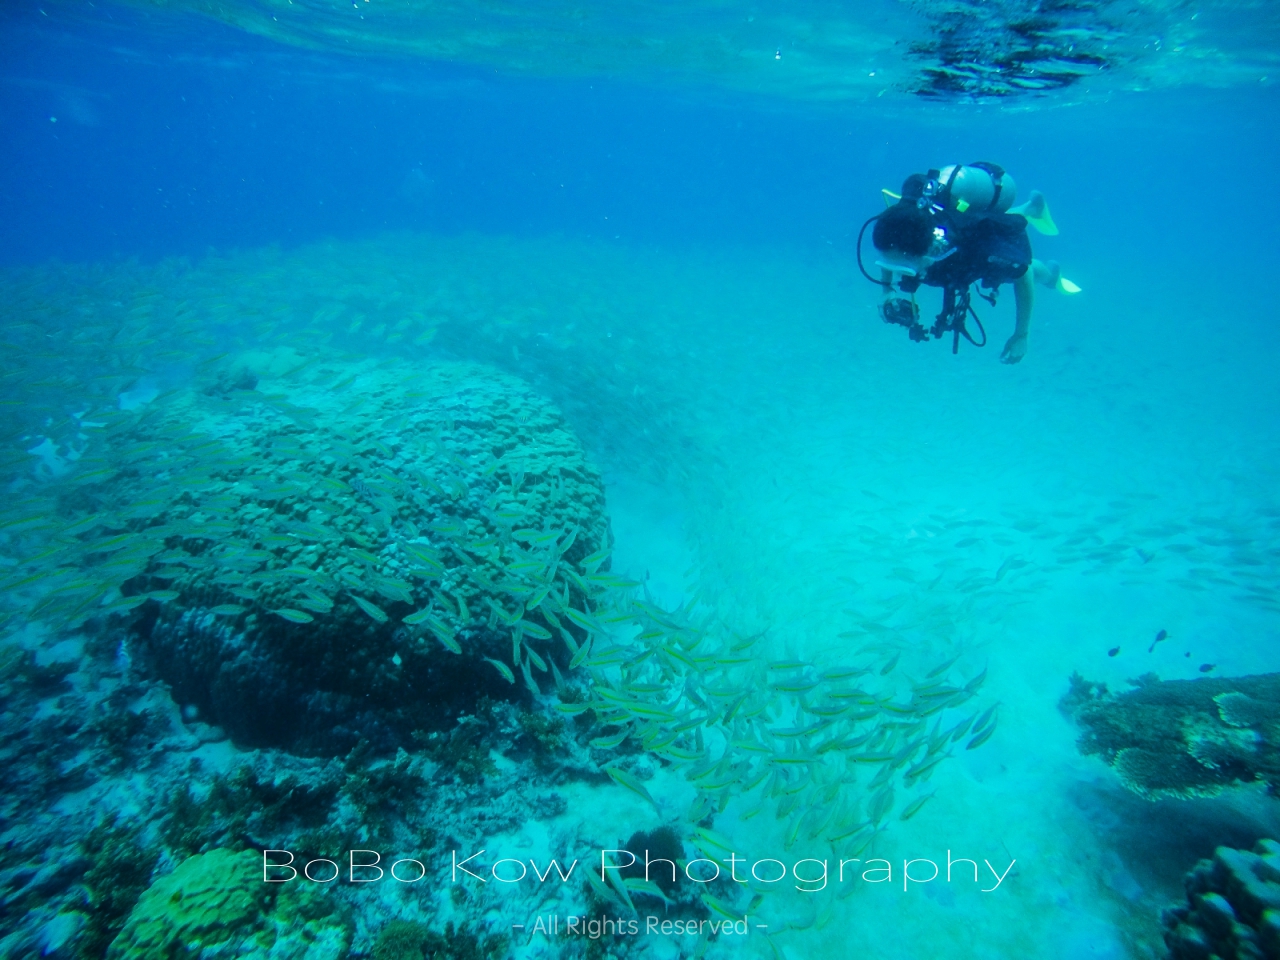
(326, 554)
(215, 903)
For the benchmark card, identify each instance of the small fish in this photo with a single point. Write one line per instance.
(396, 590)
(799, 685)
(534, 536)
(1113, 651)
(880, 804)
(503, 669)
(987, 714)
(579, 655)
(942, 668)
(316, 603)
(973, 685)
(789, 664)
(424, 555)
(792, 759)
(624, 779)
(718, 906)
(597, 558)
(961, 728)
(1206, 667)
(375, 612)
(648, 888)
(227, 609)
(449, 640)
(605, 743)
(528, 679)
(842, 672)
(538, 596)
(293, 616)
(535, 630)
(570, 709)
(1163, 634)
(164, 596)
(583, 620)
(981, 738)
(602, 889)
(418, 617)
(563, 546)
(914, 807)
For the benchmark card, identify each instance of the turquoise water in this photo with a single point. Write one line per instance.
(441, 429)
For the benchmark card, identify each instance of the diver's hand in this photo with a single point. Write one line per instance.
(1014, 350)
(899, 310)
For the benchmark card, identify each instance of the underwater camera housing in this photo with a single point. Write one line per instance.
(905, 313)
(956, 310)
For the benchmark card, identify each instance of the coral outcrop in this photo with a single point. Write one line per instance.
(1233, 907)
(339, 554)
(1183, 738)
(215, 903)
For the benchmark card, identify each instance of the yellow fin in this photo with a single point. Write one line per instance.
(1043, 223)
(1036, 212)
(1066, 286)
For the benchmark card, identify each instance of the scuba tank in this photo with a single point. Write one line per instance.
(981, 186)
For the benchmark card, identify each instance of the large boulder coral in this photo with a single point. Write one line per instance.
(1232, 910)
(336, 553)
(1183, 738)
(216, 904)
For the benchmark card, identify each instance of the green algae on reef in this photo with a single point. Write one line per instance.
(216, 901)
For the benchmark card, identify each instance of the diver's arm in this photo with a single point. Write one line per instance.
(1024, 296)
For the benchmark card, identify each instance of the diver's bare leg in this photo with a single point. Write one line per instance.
(1045, 274)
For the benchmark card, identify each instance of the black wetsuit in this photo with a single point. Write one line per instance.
(990, 248)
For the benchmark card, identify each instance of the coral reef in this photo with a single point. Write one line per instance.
(404, 940)
(1233, 907)
(121, 868)
(311, 574)
(218, 900)
(1183, 738)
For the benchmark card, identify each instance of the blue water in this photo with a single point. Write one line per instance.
(664, 248)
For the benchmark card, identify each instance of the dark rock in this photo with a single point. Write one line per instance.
(1234, 911)
(341, 573)
(1215, 914)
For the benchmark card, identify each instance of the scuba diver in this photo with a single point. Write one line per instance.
(953, 228)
